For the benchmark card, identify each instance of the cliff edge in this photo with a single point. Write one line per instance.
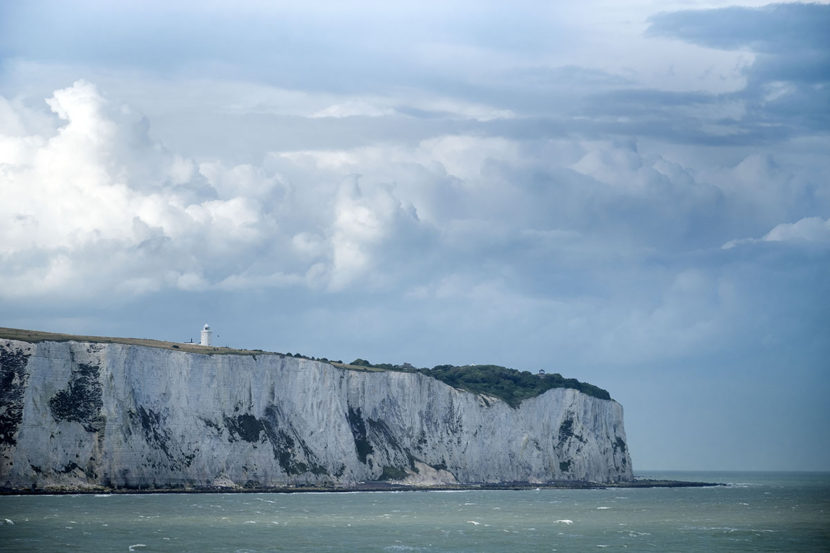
(90, 414)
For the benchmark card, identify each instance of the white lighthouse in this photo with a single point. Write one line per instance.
(206, 332)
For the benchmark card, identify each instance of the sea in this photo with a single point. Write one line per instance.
(786, 512)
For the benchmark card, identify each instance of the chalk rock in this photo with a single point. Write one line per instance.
(84, 415)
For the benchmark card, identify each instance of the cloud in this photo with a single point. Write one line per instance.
(806, 231)
(786, 29)
(809, 229)
(441, 71)
(787, 83)
(99, 201)
(363, 223)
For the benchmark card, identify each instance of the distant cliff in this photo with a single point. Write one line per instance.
(88, 414)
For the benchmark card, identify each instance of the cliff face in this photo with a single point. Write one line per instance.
(81, 414)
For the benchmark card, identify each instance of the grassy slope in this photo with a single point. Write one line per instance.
(38, 336)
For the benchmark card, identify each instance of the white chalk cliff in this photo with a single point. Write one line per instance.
(84, 415)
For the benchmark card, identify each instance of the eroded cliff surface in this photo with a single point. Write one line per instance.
(84, 415)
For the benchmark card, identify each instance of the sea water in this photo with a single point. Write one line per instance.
(785, 512)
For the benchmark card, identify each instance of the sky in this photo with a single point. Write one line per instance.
(631, 193)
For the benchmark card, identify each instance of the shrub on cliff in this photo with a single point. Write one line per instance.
(510, 385)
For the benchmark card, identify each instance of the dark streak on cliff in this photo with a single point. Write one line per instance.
(566, 431)
(13, 379)
(380, 433)
(246, 427)
(81, 400)
(620, 447)
(358, 428)
(290, 450)
(158, 436)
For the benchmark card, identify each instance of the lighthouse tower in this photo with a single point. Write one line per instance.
(206, 333)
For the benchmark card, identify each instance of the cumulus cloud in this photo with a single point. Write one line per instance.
(591, 246)
(99, 202)
(809, 230)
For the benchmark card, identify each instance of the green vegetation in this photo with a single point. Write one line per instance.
(364, 365)
(508, 384)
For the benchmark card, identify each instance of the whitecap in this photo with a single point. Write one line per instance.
(563, 521)
(9, 521)
(473, 522)
(133, 546)
(603, 508)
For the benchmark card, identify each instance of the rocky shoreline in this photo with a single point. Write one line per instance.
(374, 487)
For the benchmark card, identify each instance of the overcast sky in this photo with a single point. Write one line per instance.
(635, 194)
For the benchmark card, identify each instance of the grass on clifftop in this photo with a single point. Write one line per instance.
(510, 385)
(35, 336)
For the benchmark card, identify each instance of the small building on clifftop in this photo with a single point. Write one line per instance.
(206, 334)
